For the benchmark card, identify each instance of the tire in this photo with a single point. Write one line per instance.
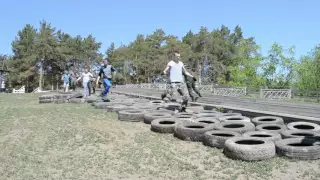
(267, 120)
(303, 126)
(184, 116)
(47, 96)
(59, 101)
(277, 128)
(104, 105)
(201, 115)
(76, 100)
(132, 115)
(164, 125)
(234, 118)
(231, 114)
(271, 136)
(207, 120)
(249, 148)
(208, 111)
(211, 108)
(299, 148)
(117, 108)
(75, 95)
(218, 138)
(91, 99)
(299, 134)
(44, 101)
(149, 117)
(173, 106)
(191, 131)
(239, 127)
(195, 109)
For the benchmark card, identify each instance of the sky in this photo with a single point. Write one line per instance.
(289, 23)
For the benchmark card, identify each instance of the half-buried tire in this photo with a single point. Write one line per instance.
(272, 136)
(240, 127)
(164, 125)
(132, 115)
(76, 100)
(218, 138)
(299, 148)
(249, 148)
(60, 101)
(149, 117)
(271, 127)
(43, 101)
(201, 115)
(191, 131)
(117, 108)
(207, 120)
(267, 120)
(303, 126)
(234, 119)
(299, 134)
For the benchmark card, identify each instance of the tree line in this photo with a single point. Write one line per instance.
(220, 56)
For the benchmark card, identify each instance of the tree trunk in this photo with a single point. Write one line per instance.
(40, 78)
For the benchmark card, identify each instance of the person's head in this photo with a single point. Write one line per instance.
(66, 72)
(105, 62)
(86, 70)
(176, 55)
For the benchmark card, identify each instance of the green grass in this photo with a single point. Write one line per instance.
(72, 141)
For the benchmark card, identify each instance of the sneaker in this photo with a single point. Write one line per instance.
(163, 96)
(196, 99)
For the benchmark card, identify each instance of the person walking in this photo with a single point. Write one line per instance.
(106, 73)
(85, 81)
(176, 69)
(191, 84)
(66, 81)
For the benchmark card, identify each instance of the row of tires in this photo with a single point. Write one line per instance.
(240, 137)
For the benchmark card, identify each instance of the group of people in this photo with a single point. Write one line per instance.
(89, 82)
(178, 77)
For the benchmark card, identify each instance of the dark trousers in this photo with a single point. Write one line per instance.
(191, 86)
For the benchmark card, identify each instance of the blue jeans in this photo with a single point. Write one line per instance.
(107, 85)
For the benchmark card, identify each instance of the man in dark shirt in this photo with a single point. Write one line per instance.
(190, 81)
(105, 73)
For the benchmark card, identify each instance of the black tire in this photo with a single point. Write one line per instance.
(91, 99)
(184, 116)
(76, 100)
(191, 131)
(164, 125)
(249, 148)
(230, 114)
(299, 148)
(299, 134)
(132, 115)
(263, 134)
(117, 108)
(218, 138)
(267, 120)
(209, 108)
(149, 117)
(201, 115)
(234, 118)
(240, 127)
(44, 101)
(208, 111)
(303, 126)
(59, 101)
(271, 127)
(195, 109)
(46, 96)
(207, 120)
(172, 106)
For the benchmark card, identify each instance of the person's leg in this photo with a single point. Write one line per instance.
(189, 87)
(193, 85)
(85, 86)
(107, 84)
(67, 87)
(173, 92)
(89, 87)
(64, 86)
(93, 87)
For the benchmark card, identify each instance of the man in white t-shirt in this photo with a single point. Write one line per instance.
(176, 70)
(86, 77)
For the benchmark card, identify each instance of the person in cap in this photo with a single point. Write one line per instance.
(65, 78)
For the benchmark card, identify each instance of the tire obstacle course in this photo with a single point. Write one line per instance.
(240, 137)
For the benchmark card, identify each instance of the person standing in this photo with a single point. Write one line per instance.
(66, 81)
(85, 82)
(191, 85)
(106, 73)
(176, 69)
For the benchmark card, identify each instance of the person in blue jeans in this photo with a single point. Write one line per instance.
(105, 73)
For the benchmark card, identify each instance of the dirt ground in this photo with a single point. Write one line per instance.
(68, 141)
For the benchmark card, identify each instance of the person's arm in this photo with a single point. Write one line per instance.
(98, 78)
(79, 77)
(167, 68)
(186, 72)
(90, 75)
(114, 70)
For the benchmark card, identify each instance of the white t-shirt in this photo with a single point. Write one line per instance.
(176, 71)
(86, 77)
